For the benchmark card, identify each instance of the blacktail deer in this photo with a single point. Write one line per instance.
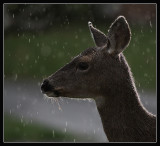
(102, 73)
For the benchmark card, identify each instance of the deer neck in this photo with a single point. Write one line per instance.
(123, 116)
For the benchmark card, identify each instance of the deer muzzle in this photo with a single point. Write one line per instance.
(49, 90)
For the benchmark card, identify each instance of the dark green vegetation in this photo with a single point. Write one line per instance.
(22, 131)
(28, 55)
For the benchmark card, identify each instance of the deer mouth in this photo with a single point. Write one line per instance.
(54, 93)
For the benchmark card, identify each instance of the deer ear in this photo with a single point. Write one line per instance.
(99, 37)
(119, 36)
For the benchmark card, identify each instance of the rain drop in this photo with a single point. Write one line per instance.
(37, 44)
(147, 61)
(148, 50)
(18, 106)
(53, 133)
(39, 84)
(146, 102)
(21, 120)
(29, 25)
(139, 84)
(15, 77)
(44, 9)
(10, 111)
(76, 36)
(33, 36)
(143, 53)
(94, 131)
(142, 91)
(145, 74)
(150, 23)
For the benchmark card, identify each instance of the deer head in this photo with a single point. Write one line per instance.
(102, 73)
(97, 71)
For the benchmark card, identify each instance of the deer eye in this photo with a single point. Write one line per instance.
(83, 66)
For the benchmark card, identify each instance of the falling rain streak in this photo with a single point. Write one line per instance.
(53, 133)
(150, 23)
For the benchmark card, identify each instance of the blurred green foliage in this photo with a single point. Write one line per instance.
(35, 56)
(141, 56)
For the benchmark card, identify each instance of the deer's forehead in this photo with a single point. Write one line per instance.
(87, 55)
(89, 51)
(82, 58)
(87, 58)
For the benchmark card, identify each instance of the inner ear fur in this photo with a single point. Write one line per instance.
(119, 35)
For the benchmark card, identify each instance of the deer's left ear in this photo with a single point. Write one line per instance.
(119, 36)
(99, 37)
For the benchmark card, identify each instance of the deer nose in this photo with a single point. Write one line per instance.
(45, 86)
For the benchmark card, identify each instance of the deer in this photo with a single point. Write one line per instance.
(103, 74)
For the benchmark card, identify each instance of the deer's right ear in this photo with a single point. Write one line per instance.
(99, 37)
(119, 36)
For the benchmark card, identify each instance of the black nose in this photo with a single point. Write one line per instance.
(46, 86)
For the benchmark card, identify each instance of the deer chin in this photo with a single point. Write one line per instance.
(51, 94)
(56, 92)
